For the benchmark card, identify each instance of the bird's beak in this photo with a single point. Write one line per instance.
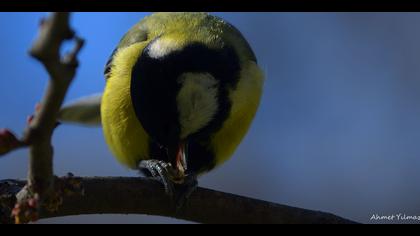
(179, 162)
(181, 156)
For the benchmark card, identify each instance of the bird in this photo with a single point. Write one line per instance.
(182, 90)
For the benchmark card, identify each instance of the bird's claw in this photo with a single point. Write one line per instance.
(161, 171)
(169, 177)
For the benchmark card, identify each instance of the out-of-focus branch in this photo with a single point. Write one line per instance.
(9, 142)
(41, 189)
(123, 195)
(54, 30)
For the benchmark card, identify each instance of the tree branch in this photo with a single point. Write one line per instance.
(46, 49)
(124, 195)
(41, 190)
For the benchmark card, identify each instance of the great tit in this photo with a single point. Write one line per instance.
(181, 92)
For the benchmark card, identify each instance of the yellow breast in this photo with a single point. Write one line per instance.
(245, 101)
(123, 132)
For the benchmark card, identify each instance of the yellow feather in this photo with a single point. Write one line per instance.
(123, 132)
(245, 100)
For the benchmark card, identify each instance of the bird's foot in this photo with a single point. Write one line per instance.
(160, 171)
(178, 188)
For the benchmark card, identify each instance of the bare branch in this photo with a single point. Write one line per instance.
(53, 32)
(123, 195)
(41, 190)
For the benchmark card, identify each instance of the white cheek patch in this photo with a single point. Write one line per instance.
(162, 47)
(197, 101)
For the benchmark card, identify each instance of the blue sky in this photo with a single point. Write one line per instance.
(338, 127)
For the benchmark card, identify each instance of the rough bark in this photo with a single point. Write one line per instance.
(126, 195)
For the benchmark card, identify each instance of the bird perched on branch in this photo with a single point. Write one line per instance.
(181, 92)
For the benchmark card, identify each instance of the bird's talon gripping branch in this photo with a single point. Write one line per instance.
(179, 189)
(161, 171)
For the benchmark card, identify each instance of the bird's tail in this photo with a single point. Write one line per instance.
(84, 111)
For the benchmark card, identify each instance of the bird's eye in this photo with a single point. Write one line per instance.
(141, 36)
(108, 64)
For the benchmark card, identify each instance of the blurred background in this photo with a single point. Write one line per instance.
(338, 129)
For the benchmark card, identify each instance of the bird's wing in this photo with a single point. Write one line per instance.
(84, 111)
(137, 33)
